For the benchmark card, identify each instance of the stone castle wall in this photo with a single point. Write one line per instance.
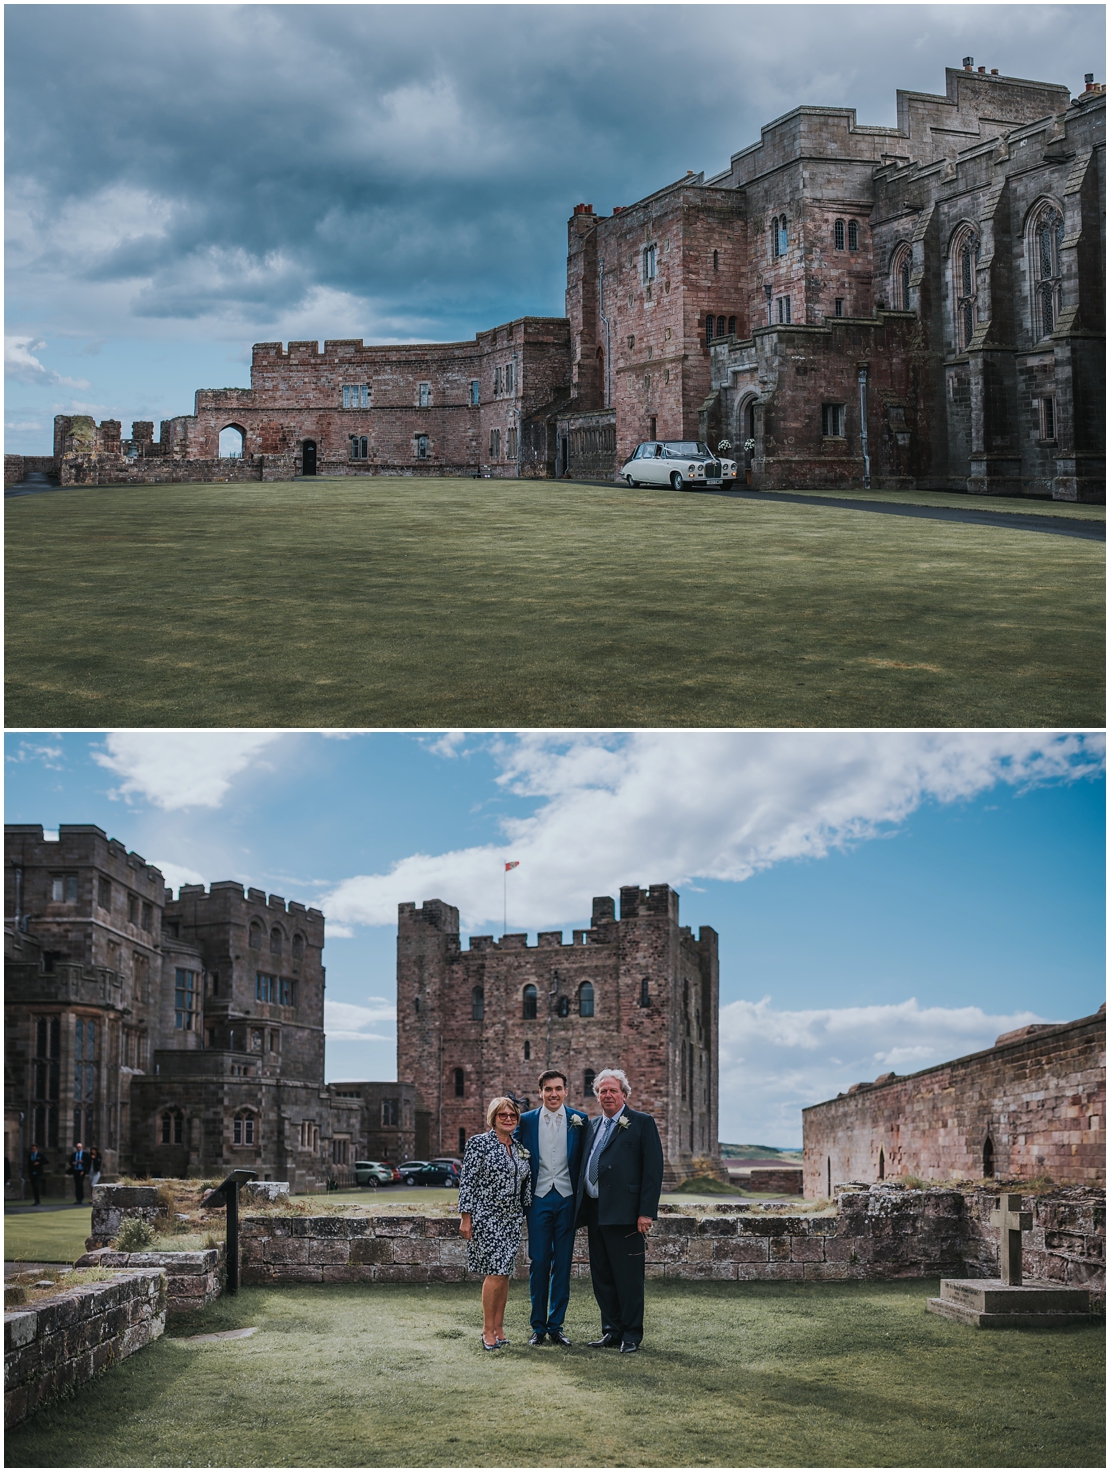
(1039, 1099)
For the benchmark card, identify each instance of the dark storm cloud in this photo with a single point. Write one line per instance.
(235, 165)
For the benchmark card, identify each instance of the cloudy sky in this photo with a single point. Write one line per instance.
(883, 900)
(185, 180)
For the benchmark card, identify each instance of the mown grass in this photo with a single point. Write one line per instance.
(49, 1236)
(742, 1374)
(475, 603)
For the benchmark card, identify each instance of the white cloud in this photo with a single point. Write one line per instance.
(347, 1022)
(670, 807)
(180, 769)
(21, 364)
(29, 751)
(176, 875)
(449, 744)
(773, 1064)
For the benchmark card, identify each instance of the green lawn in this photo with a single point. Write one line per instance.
(473, 603)
(47, 1236)
(731, 1374)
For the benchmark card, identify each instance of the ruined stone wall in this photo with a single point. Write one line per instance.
(193, 1279)
(1039, 1100)
(665, 1038)
(61, 1342)
(16, 467)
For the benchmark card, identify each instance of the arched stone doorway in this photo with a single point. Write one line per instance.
(745, 435)
(308, 457)
(233, 442)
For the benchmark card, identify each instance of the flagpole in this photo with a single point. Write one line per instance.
(505, 901)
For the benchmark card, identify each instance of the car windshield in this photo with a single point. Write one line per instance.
(683, 449)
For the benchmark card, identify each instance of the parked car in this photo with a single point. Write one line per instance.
(681, 464)
(375, 1173)
(428, 1173)
(452, 1160)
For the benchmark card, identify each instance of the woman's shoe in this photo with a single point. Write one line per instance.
(491, 1347)
(501, 1343)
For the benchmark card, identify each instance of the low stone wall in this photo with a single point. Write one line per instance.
(17, 467)
(875, 1235)
(783, 1180)
(111, 1204)
(61, 1342)
(193, 1279)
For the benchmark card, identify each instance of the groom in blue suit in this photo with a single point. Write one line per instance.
(553, 1136)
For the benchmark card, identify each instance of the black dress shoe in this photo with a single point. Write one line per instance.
(628, 1346)
(558, 1337)
(537, 1338)
(607, 1341)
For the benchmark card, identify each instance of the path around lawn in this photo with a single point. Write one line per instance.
(767, 1374)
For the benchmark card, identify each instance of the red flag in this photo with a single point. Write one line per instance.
(514, 865)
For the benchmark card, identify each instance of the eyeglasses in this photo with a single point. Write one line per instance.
(505, 1116)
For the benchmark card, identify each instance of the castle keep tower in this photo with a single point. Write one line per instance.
(639, 993)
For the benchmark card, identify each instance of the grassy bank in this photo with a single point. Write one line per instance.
(48, 1236)
(761, 1374)
(402, 602)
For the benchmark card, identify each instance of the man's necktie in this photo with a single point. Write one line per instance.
(595, 1158)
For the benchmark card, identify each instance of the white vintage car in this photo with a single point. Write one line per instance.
(684, 465)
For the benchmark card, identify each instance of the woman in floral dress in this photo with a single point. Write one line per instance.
(494, 1189)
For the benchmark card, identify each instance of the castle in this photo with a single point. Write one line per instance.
(638, 992)
(911, 307)
(182, 1037)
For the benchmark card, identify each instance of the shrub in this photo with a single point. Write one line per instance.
(134, 1235)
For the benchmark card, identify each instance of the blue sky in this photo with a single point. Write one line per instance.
(185, 180)
(883, 900)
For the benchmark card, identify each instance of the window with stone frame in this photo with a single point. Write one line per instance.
(460, 1083)
(256, 934)
(171, 1127)
(356, 396)
(276, 940)
(1046, 245)
(530, 998)
(104, 893)
(425, 393)
(495, 444)
(359, 447)
(298, 946)
(779, 237)
(477, 1003)
(832, 421)
(965, 286)
(649, 263)
(586, 999)
(186, 998)
(422, 447)
(391, 1112)
(838, 235)
(243, 1129)
(900, 265)
(84, 1078)
(853, 235)
(510, 442)
(784, 309)
(710, 323)
(732, 327)
(838, 306)
(716, 261)
(1047, 415)
(588, 1076)
(46, 1081)
(63, 888)
(475, 391)
(720, 327)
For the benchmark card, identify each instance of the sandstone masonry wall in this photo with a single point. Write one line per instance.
(1040, 1102)
(193, 1279)
(61, 1342)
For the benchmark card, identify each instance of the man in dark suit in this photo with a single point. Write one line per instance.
(618, 1199)
(80, 1163)
(36, 1169)
(553, 1136)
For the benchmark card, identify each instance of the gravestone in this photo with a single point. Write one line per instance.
(1006, 1302)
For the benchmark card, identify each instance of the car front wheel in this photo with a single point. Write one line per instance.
(678, 482)
(410, 1180)
(372, 1182)
(633, 483)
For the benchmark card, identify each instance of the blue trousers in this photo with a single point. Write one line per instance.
(551, 1249)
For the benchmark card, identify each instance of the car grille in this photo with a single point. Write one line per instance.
(712, 470)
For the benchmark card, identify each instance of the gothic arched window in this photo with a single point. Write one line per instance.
(256, 935)
(720, 327)
(275, 942)
(780, 236)
(838, 235)
(1047, 240)
(530, 998)
(900, 265)
(965, 258)
(586, 1000)
(853, 235)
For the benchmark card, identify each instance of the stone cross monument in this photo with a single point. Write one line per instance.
(1011, 1221)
